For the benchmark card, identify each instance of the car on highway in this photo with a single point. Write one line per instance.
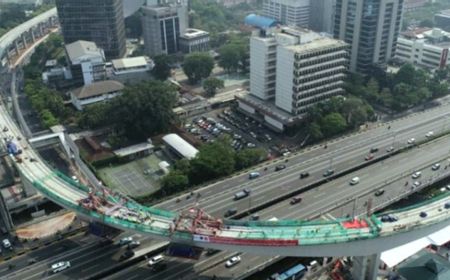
(354, 181)
(447, 205)
(230, 212)
(233, 261)
(390, 149)
(253, 175)
(7, 244)
(389, 218)
(373, 150)
(304, 175)
(411, 141)
(280, 167)
(254, 217)
(295, 200)
(429, 134)
(435, 166)
(369, 157)
(379, 192)
(155, 260)
(126, 255)
(328, 173)
(416, 175)
(125, 240)
(423, 214)
(241, 194)
(133, 244)
(417, 184)
(60, 266)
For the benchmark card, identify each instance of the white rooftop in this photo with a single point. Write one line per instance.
(193, 33)
(130, 62)
(123, 152)
(180, 145)
(82, 48)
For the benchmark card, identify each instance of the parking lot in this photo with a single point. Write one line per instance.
(244, 131)
(136, 178)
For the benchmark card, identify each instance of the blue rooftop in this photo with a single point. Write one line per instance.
(259, 21)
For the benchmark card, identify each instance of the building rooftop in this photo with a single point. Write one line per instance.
(130, 62)
(193, 33)
(81, 48)
(317, 44)
(260, 21)
(444, 13)
(98, 88)
(180, 145)
(425, 266)
(123, 152)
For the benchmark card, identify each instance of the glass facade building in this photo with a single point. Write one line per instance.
(100, 21)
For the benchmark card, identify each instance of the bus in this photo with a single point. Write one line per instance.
(294, 273)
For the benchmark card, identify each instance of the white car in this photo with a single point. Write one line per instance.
(354, 181)
(411, 140)
(126, 240)
(6, 243)
(155, 260)
(417, 183)
(416, 175)
(60, 266)
(429, 134)
(233, 261)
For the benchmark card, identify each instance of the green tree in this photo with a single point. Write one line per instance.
(198, 66)
(386, 98)
(161, 71)
(230, 57)
(211, 85)
(48, 119)
(212, 161)
(315, 131)
(143, 109)
(405, 74)
(333, 124)
(174, 182)
(426, 23)
(372, 90)
(95, 116)
(249, 157)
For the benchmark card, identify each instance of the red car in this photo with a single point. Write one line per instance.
(369, 157)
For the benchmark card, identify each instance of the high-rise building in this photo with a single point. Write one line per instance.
(321, 15)
(371, 27)
(162, 27)
(100, 21)
(292, 69)
(288, 12)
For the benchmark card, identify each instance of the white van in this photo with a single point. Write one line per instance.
(354, 181)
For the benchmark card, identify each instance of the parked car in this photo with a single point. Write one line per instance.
(233, 261)
(304, 175)
(295, 200)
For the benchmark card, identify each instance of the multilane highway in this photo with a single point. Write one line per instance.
(390, 174)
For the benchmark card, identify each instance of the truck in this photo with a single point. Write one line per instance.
(12, 148)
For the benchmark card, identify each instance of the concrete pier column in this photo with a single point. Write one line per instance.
(366, 267)
(33, 37)
(24, 40)
(17, 47)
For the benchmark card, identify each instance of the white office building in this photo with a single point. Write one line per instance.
(424, 47)
(288, 12)
(194, 40)
(291, 70)
(131, 70)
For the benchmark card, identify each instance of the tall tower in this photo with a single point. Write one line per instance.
(100, 21)
(288, 12)
(371, 27)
